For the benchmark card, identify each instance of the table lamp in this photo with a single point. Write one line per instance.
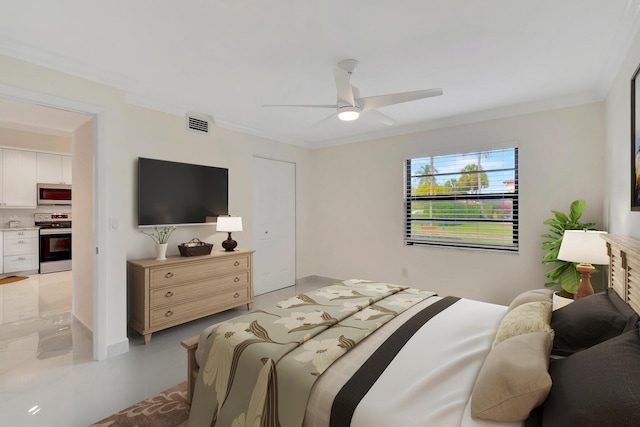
(229, 224)
(585, 247)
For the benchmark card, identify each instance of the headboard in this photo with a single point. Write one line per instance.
(624, 267)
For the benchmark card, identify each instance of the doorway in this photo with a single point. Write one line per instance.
(94, 234)
(274, 224)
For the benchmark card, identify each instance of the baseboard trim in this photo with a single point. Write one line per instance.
(77, 323)
(117, 349)
(113, 350)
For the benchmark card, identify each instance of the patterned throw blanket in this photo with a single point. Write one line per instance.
(258, 369)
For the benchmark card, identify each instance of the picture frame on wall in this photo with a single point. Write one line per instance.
(635, 143)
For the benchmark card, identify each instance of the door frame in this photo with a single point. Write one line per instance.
(99, 199)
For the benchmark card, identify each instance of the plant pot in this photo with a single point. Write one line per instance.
(560, 301)
(161, 251)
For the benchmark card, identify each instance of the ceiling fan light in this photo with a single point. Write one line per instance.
(348, 114)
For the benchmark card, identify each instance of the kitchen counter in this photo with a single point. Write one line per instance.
(19, 228)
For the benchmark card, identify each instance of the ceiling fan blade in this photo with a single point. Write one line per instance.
(382, 118)
(325, 120)
(299, 105)
(343, 84)
(371, 102)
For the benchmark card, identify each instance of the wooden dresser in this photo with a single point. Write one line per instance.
(167, 293)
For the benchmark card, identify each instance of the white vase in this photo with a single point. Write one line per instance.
(161, 251)
(559, 302)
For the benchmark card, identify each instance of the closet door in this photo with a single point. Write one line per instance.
(274, 225)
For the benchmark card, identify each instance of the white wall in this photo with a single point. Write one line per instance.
(128, 132)
(36, 141)
(358, 208)
(620, 218)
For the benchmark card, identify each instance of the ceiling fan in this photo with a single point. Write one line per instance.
(349, 105)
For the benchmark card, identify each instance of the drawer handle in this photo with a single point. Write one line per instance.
(168, 313)
(168, 294)
(237, 263)
(236, 295)
(169, 275)
(237, 279)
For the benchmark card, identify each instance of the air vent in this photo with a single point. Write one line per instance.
(197, 123)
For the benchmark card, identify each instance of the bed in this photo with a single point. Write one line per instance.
(360, 353)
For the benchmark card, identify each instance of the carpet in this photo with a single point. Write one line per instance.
(11, 279)
(166, 409)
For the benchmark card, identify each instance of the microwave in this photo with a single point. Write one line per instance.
(54, 194)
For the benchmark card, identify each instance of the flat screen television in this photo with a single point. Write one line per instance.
(172, 193)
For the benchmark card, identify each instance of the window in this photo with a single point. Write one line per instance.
(465, 200)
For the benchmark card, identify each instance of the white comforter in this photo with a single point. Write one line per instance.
(429, 383)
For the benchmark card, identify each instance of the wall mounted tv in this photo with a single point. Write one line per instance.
(171, 193)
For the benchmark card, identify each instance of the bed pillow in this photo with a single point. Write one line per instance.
(532, 296)
(599, 386)
(590, 321)
(514, 378)
(526, 318)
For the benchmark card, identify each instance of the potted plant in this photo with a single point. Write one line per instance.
(160, 236)
(564, 272)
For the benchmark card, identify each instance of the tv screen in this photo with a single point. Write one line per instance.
(171, 193)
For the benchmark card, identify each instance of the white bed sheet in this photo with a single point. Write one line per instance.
(430, 381)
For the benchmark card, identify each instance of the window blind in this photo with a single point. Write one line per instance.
(467, 200)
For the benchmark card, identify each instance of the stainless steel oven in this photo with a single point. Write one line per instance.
(55, 241)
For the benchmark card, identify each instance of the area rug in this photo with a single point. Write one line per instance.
(166, 409)
(11, 279)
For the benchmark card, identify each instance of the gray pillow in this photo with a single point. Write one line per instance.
(599, 386)
(590, 321)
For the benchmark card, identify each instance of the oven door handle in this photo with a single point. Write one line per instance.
(53, 231)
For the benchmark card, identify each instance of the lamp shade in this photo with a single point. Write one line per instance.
(229, 223)
(584, 246)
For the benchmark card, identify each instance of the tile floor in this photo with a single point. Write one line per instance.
(47, 374)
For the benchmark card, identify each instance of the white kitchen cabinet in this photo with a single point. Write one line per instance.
(53, 168)
(20, 250)
(18, 179)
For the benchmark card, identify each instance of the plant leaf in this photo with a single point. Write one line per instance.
(561, 217)
(569, 279)
(576, 209)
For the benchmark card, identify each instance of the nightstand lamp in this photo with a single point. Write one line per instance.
(585, 247)
(229, 224)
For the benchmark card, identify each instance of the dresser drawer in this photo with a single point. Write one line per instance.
(216, 285)
(163, 276)
(199, 307)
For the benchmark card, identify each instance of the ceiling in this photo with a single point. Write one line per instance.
(31, 117)
(226, 59)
